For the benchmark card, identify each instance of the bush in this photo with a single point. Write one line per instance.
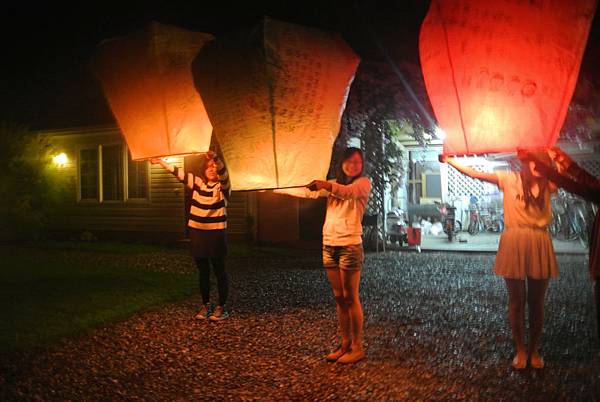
(30, 188)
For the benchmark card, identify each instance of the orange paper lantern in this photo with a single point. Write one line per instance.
(148, 82)
(500, 74)
(275, 96)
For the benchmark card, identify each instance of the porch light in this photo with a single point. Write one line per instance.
(61, 159)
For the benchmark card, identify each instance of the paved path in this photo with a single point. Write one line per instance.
(488, 242)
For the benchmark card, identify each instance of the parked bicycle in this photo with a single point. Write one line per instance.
(571, 218)
(485, 219)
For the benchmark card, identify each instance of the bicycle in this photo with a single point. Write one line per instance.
(570, 218)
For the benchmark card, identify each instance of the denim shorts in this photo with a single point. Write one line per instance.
(350, 258)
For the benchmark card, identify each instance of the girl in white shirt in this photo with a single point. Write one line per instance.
(525, 257)
(343, 255)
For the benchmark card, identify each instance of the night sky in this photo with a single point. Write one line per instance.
(46, 81)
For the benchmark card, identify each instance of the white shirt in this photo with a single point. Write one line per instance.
(345, 209)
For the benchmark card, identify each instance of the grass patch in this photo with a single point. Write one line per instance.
(97, 246)
(42, 301)
(235, 249)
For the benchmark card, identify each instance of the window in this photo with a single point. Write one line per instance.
(425, 181)
(112, 173)
(107, 173)
(137, 178)
(88, 173)
(432, 183)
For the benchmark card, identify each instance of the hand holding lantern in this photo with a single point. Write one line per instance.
(317, 185)
(562, 160)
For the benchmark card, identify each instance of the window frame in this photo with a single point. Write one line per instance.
(125, 179)
(101, 167)
(98, 178)
(130, 200)
(425, 199)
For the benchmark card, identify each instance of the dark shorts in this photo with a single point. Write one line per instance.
(350, 258)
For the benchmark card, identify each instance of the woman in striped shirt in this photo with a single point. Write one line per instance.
(207, 224)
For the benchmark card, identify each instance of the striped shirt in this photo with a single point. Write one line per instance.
(209, 201)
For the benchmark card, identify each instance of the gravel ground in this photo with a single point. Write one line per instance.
(435, 330)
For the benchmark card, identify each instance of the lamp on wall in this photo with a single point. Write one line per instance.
(60, 160)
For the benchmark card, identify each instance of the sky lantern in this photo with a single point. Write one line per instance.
(275, 95)
(148, 82)
(500, 74)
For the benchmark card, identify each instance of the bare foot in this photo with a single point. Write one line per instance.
(537, 361)
(519, 362)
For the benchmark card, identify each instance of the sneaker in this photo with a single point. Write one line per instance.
(203, 313)
(218, 314)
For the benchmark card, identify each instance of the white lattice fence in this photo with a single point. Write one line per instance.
(591, 165)
(460, 185)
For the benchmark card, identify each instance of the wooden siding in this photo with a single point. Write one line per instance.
(163, 211)
(237, 214)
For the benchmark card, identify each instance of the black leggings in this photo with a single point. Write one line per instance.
(218, 264)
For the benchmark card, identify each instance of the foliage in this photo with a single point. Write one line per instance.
(396, 157)
(379, 109)
(30, 189)
(378, 94)
(582, 123)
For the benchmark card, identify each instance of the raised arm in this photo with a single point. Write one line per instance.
(186, 178)
(570, 176)
(223, 175)
(566, 165)
(469, 171)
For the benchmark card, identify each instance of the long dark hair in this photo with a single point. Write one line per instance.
(527, 179)
(348, 153)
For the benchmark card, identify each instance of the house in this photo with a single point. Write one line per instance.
(428, 181)
(111, 196)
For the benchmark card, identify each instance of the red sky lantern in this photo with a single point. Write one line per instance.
(500, 74)
(275, 96)
(148, 82)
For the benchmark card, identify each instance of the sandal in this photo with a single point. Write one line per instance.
(336, 354)
(352, 357)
